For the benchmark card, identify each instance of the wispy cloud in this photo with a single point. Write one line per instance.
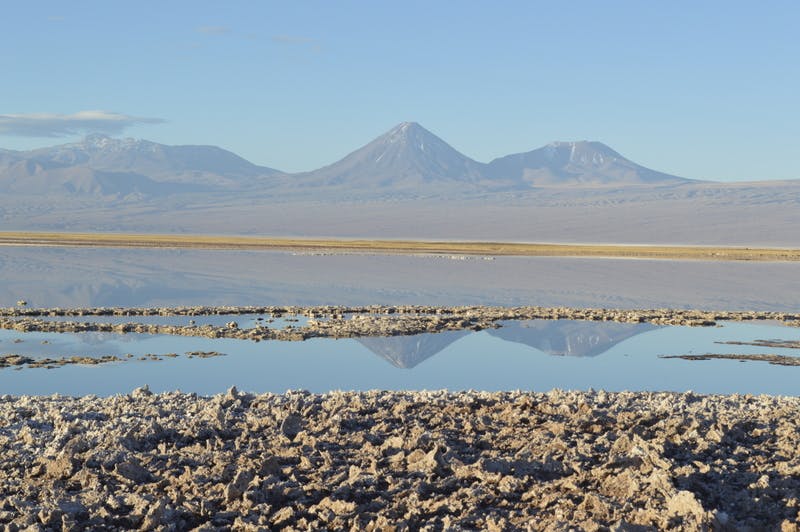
(299, 41)
(58, 125)
(214, 30)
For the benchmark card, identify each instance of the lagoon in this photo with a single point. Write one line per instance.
(536, 355)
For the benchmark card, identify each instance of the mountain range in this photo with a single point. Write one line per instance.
(408, 183)
(103, 166)
(406, 159)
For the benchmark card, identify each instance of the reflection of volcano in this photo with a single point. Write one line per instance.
(561, 338)
(570, 338)
(408, 351)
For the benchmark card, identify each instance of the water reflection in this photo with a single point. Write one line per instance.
(558, 338)
(570, 338)
(89, 277)
(603, 355)
(408, 351)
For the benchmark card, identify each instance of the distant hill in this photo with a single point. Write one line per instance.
(100, 165)
(576, 163)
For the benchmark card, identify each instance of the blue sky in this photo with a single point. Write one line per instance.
(700, 89)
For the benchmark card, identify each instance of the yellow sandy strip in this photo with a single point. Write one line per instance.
(396, 246)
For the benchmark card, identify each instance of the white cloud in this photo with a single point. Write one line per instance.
(57, 125)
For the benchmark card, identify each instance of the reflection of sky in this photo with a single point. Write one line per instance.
(117, 277)
(478, 361)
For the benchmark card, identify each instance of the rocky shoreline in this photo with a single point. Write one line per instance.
(400, 461)
(18, 362)
(359, 321)
(770, 358)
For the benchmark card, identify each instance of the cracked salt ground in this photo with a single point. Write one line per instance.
(400, 461)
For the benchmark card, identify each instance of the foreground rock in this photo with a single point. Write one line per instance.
(400, 461)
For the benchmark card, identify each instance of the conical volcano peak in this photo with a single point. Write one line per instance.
(404, 158)
(406, 126)
(410, 132)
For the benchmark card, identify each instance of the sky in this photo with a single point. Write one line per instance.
(706, 90)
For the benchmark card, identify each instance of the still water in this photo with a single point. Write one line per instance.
(528, 355)
(107, 277)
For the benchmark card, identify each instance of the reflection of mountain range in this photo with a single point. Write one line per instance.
(570, 338)
(408, 351)
(559, 338)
